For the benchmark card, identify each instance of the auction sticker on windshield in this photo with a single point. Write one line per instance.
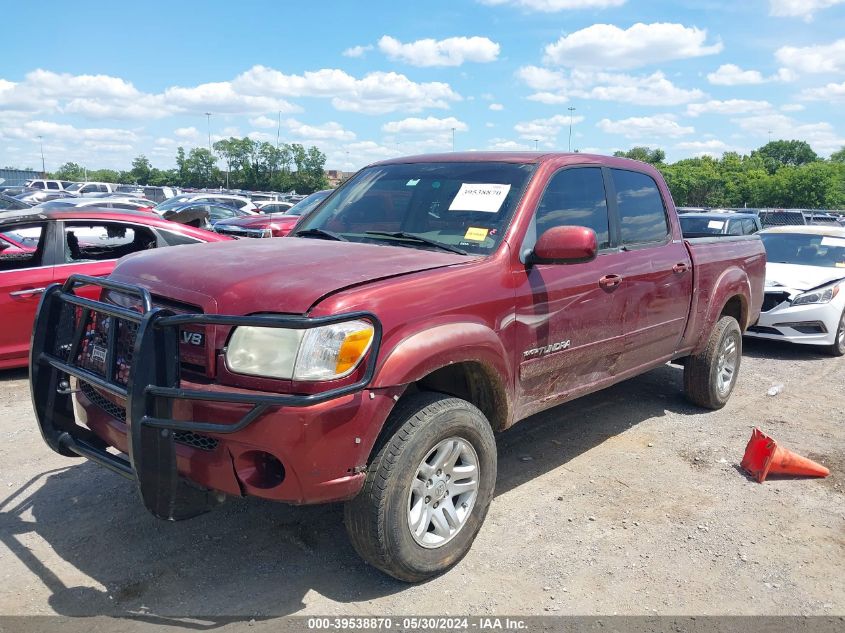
(715, 224)
(474, 233)
(480, 197)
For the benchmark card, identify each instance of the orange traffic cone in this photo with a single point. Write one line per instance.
(763, 457)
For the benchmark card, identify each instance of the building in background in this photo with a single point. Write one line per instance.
(335, 176)
(17, 176)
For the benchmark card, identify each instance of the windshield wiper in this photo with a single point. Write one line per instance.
(419, 239)
(321, 233)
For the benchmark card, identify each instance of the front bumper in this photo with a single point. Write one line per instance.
(811, 324)
(80, 386)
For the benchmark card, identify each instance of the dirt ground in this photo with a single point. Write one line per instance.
(629, 501)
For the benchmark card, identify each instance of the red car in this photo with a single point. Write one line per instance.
(40, 246)
(271, 224)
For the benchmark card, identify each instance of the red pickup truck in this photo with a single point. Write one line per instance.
(371, 356)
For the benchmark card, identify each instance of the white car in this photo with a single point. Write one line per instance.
(85, 188)
(804, 299)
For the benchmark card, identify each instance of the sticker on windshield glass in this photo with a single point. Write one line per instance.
(413, 182)
(715, 224)
(480, 197)
(833, 241)
(476, 234)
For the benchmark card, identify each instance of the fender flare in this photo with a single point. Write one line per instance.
(731, 283)
(425, 351)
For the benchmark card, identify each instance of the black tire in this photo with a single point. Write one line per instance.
(377, 519)
(838, 347)
(701, 371)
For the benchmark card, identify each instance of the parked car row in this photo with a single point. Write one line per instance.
(777, 217)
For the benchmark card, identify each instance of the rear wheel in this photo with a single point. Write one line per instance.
(838, 347)
(710, 376)
(427, 489)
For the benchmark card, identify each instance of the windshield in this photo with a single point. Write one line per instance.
(466, 206)
(306, 205)
(807, 250)
(694, 225)
(172, 203)
(75, 186)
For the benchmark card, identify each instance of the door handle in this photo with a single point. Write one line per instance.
(680, 268)
(610, 282)
(27, 292)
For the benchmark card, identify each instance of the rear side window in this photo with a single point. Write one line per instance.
(21, 246)
(37, 185)
(52, 185)
(97, 241)
(575, 197)
(642, 216)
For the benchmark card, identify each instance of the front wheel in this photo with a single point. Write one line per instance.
(838, 347)
(427, 490)
(710, 376)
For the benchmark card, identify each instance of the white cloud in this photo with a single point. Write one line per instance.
(729, 107)
(733, 75)
(821, 136)
(65, 132)
(792, 107)
(832, 93)
(263, 121)
(506, 145)
(452, 51)
(222, 97)
(429, 125)
(187, 133)
(553, 6)
(661, 125)
(799, 8)
(556, 87)
(496, 107)
(92, 96)
(545, 129)
(330, 130)
(357, 51)
(710, 146)
(375, 93)
(823, 58)
(608, 46)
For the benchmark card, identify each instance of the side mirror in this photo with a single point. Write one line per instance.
(565, 245)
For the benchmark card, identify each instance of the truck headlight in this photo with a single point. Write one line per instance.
(321, 353)
(819, 295)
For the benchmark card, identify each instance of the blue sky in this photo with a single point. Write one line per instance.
(102, 83)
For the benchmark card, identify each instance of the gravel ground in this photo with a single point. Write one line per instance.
(629, 501)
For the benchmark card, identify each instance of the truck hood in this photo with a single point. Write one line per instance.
(287, 275)
(800, 277)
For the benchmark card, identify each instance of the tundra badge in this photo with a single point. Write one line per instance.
(548, 349)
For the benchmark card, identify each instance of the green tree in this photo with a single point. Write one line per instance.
(200, 169)
(104, 175)
(141, 170)
(70, 171)
(838, 157)
(644, 154)
(181, 169)
(776, 154)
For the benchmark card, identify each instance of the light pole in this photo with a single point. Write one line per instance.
(43, 168)
(208, 120)
(279, 129)
(453, 139)
(536, 144)
(571, 110)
